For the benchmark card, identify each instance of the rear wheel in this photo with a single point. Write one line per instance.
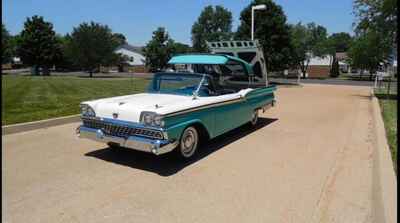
(188, 143)
(254, 118)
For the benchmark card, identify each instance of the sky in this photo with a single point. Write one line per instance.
(137, 19)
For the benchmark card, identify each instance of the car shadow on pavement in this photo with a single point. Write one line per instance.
(168, 164)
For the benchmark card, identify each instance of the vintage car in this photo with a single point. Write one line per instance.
(180, 109)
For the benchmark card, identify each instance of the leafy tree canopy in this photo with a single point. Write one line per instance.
(91, 45)
(157, 50)
(161, 48)
(37, 43)
(180, 48)
(5, 45)
(368, 50)
(340, 42)
(213, 24)
(271, 30)
(120, 38)
(376, 33)
(379, 16)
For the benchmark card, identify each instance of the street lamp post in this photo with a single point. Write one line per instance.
(256, 7)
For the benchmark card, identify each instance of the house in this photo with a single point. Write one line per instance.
(135, 63)
(15, 63)
(341, 56)
(343, 62)
(319, 67)
(135, 54)
(136, 59)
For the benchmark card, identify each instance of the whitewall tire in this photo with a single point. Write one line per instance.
(254, 118)
(188, 143)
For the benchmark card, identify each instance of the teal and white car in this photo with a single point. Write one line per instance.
(180, 108)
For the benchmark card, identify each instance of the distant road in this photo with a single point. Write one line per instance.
(325, 81)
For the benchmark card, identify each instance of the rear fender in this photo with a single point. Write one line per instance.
(260, 97)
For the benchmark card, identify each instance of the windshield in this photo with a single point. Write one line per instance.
(178, 83)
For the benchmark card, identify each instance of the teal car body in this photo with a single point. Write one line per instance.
(155, 121)
(222, 117)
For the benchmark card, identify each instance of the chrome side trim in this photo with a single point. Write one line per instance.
(205, 107)
(154, 146)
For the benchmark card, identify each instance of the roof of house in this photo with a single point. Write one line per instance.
(320, 61)
(136, 49)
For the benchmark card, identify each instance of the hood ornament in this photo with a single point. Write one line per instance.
(115, 115)
(121, 103)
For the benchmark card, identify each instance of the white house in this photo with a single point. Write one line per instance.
(319, 67)
(134, 54)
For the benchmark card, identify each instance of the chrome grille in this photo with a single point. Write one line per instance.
(121, 130)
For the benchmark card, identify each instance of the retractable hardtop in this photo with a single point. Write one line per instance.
(210, 59)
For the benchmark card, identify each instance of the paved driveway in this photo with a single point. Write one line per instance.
(309, 160)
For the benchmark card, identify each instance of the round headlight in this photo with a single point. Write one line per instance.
(90, 112)
(148, 119)
(158, 121)
(86, 110)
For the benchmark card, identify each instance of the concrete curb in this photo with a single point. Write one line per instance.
(22, 127)
(384, 192)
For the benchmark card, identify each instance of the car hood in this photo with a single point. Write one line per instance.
(129, 107)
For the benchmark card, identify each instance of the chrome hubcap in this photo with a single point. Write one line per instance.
(255, 118)
(189, 142)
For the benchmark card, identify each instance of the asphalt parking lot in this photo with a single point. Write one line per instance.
(309, 160)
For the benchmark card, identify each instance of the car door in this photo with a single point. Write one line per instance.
(229, 113)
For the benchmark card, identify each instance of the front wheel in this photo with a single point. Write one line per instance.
(114, 146)
(188, 143)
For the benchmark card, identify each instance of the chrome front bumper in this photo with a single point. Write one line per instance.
(154, 146)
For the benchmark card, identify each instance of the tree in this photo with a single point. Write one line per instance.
(213, 24)
(307, 41)
(158, 50)
(367, 51)
(120, 38)
(339, 42)
(179, 48)
(377, 24)
(379, 16)
(37, 44)
(271, 30)
(64, 60)
(335, 68)
(13, 44)
(5, 45)
(91, 45)
(161, 48)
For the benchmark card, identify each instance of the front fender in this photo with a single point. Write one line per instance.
(174, 132)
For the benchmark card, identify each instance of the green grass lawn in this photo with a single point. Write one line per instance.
(30, 98)
(389, 114)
